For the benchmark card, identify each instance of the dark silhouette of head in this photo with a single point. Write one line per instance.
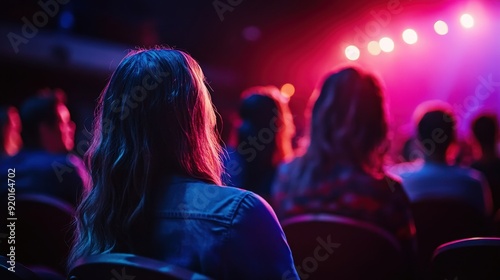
(47, 122)
(348, 126)
(485, 130)
(154, 119)
(10, 131)
(435, 129)
(265, 115)
(410, 151)
(264, 135)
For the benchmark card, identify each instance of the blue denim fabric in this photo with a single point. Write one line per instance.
(222, 232)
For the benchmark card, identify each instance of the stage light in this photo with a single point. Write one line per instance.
(410, 36)
(386, 44)
(352, 52)
(441, 27)
(287, 90)
(467, 21)
(374, 48)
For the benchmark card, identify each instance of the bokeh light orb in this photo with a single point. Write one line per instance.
(386, 44)
(287, 90)
(374, 48)
(467, 21)
(410, 36)
(352, 52)
(441, 27)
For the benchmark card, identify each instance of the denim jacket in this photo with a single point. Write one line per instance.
(221, 232)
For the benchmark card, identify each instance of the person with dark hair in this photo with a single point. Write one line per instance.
(449, 202)
(409, 158)
(485, 130)
(264, 139)
(10, 129)
(156, 178)
(44, 164)
(341, 170)
(437, 178)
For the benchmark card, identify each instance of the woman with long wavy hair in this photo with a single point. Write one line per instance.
(341, 170)
(156, 176)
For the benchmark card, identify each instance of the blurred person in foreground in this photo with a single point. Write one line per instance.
(156, 178)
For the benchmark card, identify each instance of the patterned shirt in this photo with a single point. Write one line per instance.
(351, 193)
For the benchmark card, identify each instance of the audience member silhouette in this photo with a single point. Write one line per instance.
(409, 159)
(10, 125)
(156, 173)
(340, 171)
(485, 130)
(43, 165)
(449, 202)
(264, 139)
(438, 178)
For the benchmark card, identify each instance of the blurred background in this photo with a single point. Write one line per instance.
(76, 44)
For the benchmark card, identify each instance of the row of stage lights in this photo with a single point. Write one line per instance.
(410, 37)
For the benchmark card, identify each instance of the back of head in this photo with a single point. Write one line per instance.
(348, 119)
(435, 127)
(410, 151)
(266, 117)
(154, 118)
(35, 111)
(348, 128)
(258, 110)
(264, 136)
(47, 122)
(156, 109)
(485, 129)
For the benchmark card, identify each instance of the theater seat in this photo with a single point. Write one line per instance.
(43, 232)
(471, 258)
(20, 271)
(326, 246)
(439, 221)
(127, 266)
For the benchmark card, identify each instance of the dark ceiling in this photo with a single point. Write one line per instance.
(209, 30)
(287, 39)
